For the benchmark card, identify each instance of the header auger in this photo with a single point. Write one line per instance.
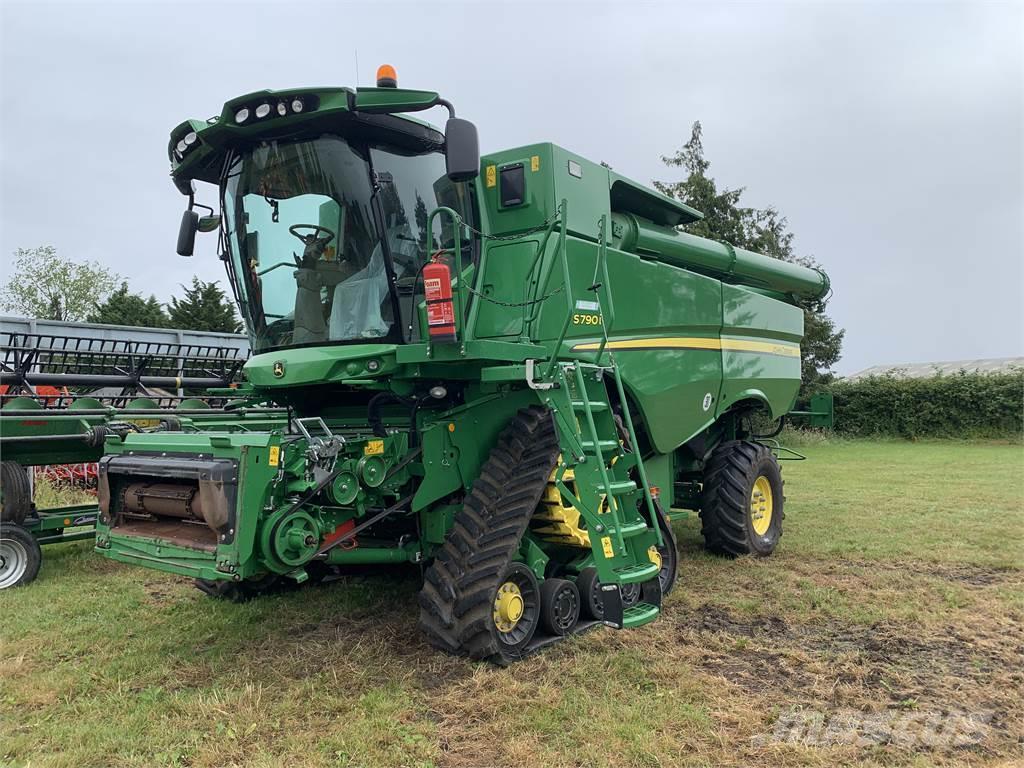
(512, 369)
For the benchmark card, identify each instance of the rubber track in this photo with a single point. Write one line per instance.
(458, 588)
(726, 496)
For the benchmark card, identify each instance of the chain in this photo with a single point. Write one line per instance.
(539, 228)
(520, 303)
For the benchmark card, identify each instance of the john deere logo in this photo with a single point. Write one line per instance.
(279, 368)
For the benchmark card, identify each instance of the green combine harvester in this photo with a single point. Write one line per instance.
(508, 369)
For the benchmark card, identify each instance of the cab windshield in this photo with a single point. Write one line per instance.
(327, 238)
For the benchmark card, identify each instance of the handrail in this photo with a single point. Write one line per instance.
(567, 288)
(601, 281)
(640, 469)
(530, 312)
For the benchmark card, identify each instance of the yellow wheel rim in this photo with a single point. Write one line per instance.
(761, 504)
(508, 607)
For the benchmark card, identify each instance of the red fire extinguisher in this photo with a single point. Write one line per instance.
(437, 286)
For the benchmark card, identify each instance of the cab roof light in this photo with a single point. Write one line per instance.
(280, 108)
(386, 76)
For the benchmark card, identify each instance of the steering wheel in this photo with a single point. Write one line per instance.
(311, 238)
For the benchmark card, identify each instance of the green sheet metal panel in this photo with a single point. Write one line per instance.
(505, 283)
(760, 349)
(664, 337)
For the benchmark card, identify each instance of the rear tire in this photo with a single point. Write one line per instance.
(20, 556)
(742, 503)
(15, 492)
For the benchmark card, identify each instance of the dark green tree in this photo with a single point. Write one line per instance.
(763, 230)
(204, 307)
(125, 308)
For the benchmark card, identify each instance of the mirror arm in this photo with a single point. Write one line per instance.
(447, 105)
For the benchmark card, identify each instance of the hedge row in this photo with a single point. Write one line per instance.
(964, 405)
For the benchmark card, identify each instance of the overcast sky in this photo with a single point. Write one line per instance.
(889, 134)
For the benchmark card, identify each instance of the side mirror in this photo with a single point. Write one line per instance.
(187, 233)
(461, 150)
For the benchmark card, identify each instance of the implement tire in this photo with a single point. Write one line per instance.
(460, 588)
(742, 503)
(15, 492)
(20, 556)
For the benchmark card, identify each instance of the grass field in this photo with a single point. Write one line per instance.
(888, 629)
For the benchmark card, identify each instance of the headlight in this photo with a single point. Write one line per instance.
(190, 138)
(282, 110)
(181, 146)
(242, 115)
(262, 110)
(297, 105)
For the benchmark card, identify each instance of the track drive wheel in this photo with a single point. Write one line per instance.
(560, 606)
(461, 602)
(742, 503)
(20, 556)
(15, 493)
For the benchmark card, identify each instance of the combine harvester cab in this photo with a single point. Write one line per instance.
(512, 369)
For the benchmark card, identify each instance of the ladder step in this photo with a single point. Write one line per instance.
(636, 574)
(596, 406)
(606, 445)
(622, 487)
(639, 614)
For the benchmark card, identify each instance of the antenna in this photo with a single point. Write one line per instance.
(357, 67)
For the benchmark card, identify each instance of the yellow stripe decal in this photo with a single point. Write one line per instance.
(783, 349)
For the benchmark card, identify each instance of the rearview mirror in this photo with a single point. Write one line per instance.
(187, 233)
(461, 150)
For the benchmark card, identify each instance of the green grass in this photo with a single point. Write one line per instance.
(897, 587)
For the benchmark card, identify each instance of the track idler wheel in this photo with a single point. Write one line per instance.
(589, 587)
(560, 606)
